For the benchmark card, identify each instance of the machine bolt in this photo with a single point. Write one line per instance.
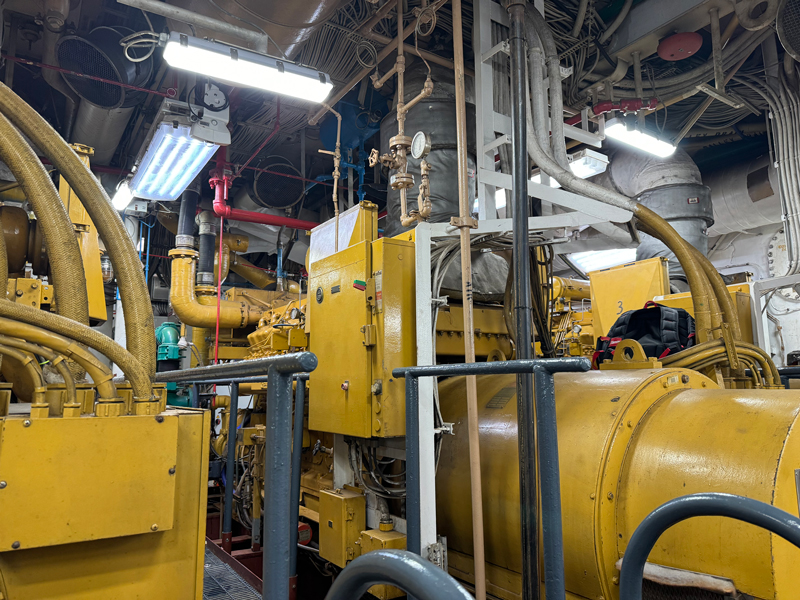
(154, 527)
(592, 496)
(610, 496)
(684, 378)
(19, 292)
(159, 419)
(630, 423)
(26, 423)
(346, 386)
(3, 485)
(172, 471)
(15, 546)
(615, 580)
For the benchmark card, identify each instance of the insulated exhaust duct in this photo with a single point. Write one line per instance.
(105, 108)
(671, 187)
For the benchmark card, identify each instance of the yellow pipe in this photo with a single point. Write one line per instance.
(100, 374)
(58, 361)
(199, 339)
(232, 315)
(20, 318)
(258, 277)
(572, 289)
(63, 250)
(139, 326)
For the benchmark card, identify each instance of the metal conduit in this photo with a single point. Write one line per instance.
(697, 505)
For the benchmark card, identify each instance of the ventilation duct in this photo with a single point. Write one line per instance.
(788, 26)
(105, 108)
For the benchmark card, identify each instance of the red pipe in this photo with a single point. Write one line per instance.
(221, 181)
(627, 105)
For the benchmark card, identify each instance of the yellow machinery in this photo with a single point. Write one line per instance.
(629, 440)
(632, 435)
(102, 489)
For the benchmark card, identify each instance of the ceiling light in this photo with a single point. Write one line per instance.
(243, 67)
(123, 196)
(584, 164)
(620, 130)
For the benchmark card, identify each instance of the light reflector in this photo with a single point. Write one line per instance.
(242, 67)
(642, 140)
(172, 160)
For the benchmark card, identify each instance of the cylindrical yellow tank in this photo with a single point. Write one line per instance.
(630, 440)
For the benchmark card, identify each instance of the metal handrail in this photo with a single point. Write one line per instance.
(277, 519)
(417, 577)
(544, 387)
(665, 516)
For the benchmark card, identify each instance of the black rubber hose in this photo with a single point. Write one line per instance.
(206, 260)
(189, 201)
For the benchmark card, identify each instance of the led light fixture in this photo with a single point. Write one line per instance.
(123, 196)
(584, 164)
(173, 159)
(597, 260)
(181, 141)
(243, 67)
(627, 133)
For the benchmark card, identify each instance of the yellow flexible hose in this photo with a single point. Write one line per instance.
(57, 360)
(101, 375)
(31, 368)
(63, 250)
(656, 226)
(139, 327)
(720, 291)
(42, 320)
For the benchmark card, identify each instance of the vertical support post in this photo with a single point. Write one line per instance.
(277, 463)
(413, 528)
(522, 310)
(637, 82)
(230, 467)
(294, 497)
(195, 396)
(550, 480)
(716, 48)
(426, 442)
(484, 113)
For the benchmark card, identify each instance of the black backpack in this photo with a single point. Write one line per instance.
(661, 330)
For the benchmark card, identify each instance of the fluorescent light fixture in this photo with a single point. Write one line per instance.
(243, 67)
(172, 160)
(598, 260)
(618, 129)
(584, 164)
(123, 196)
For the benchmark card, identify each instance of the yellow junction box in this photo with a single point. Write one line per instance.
(342, 518)
(374, 539)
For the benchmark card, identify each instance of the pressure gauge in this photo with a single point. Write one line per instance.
(420, 145)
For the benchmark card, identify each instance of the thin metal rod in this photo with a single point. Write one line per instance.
(550, 483)
(413, 492)
(465, 218)
(716, 49)
(298, 362)
(697, 505)
(297, 455)
(412, 574)
(230, 470)
(526, 438)
(637, 82)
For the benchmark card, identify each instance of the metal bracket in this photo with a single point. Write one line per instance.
(464, 222)
(720, 95)
(503, 46)
(437, 553)
(446, 428)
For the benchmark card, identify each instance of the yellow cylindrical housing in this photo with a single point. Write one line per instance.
(629, 441)
(572, 289)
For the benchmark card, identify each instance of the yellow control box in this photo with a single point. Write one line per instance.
(342, 518)
(375, 539)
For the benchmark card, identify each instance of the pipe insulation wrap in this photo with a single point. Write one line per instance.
(139, 327)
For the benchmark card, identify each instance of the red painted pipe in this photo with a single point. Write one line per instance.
(626, 105)
(221, 181)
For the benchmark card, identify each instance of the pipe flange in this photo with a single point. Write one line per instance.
(400, 141)
(402, 181)
(183, 253)
(746, 8)
(207, 228)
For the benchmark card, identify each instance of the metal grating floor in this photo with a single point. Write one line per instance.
(220, 582)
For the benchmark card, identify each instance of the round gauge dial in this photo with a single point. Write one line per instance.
(420, 145)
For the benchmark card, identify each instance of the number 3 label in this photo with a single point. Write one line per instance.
(620, 307)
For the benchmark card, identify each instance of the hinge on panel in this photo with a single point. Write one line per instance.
(370, 335)
(437, 553)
